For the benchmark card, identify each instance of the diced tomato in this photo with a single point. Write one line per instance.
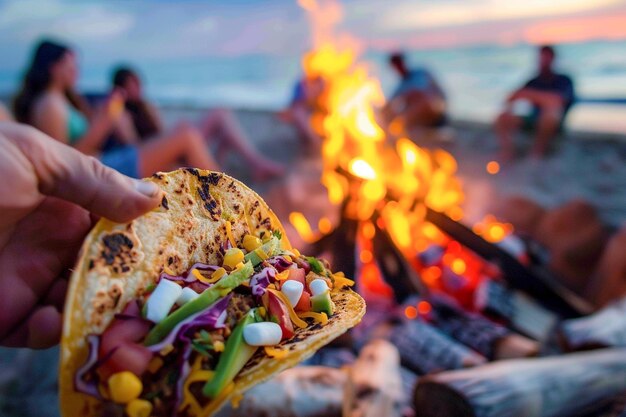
(305, 302)
(122, 331)
(297, 274)
(127, 357)
(279, 311)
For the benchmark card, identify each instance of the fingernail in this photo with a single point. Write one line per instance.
(147, 188)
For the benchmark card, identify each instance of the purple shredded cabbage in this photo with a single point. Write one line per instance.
(280, 263)
(213, 317)
(260, 281)
(80, 385)
(188, 276)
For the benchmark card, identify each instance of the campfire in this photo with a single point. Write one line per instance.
(399, 202)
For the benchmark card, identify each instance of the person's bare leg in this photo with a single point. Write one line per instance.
(184, 142)
(301, 119)
(505, 125)
(547, 127)
(222, 123)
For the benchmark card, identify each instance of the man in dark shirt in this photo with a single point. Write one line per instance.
(551, 96)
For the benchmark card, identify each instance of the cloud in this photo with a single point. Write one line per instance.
(429, 15)
(29, 19)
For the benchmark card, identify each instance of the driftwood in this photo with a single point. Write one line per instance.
(304, 391)
(484, 336)
(606, 328)
(570, 385)
(425, 349)
(374, 385)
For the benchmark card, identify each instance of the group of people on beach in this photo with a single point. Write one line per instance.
(420, 101)
(123, 129)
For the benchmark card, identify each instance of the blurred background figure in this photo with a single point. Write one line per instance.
(550, 95)
(307, 92)
(48, 100)
(418, 100)
(217, 126)
(4, 114)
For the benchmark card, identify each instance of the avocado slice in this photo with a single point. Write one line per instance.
(321, 303)
(236, 353)
(208, 297)
(270, 248)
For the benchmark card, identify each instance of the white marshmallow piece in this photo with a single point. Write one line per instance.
(292, 290)
(162, 299)
(186, 296)
(265, 333)
(318, 286)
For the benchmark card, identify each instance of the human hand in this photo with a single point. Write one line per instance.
(47, 195)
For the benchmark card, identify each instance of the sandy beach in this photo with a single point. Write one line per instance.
(28, 378)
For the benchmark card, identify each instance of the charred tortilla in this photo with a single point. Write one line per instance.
(120, 261)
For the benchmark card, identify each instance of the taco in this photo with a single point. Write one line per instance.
(186, 307)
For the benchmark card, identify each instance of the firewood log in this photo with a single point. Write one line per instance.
(475, 331)
(606, 328)
(564, 386)
(303, 391)
(374, 385)
(425, 349)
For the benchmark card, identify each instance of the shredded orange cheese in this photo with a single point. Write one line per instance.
(237, 397)
(321, 318)
(292, 314)
(168, 270)
(155, 364)
(202, 278)
(261, 254)
(166, 350)
(229, 234)
(219, 273)
(217, 401)
(341, 281)
(197, 374)
(282, 276)
(272, 352)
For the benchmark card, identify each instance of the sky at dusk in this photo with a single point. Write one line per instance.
(160, 29)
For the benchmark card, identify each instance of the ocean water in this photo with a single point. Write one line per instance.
(476, 79)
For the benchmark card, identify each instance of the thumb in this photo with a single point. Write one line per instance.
(66, 173)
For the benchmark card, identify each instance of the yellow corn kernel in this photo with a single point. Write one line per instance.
(139, 408)
(218, 346)
(232, 257)
(251, 242)
(219, 273)
(124, 387)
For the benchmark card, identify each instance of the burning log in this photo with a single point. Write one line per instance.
(534, 281)
(570, 385)
(374, 385)
(484, 336)
(424, 349)
(606, 328)
(494, 299)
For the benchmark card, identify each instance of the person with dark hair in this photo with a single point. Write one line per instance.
(305, 101)
(550, 94)
(418, 100)
(48, 101)
(218, 125)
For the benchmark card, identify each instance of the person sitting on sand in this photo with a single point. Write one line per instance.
(551, 95)
(418, 100)
(48, 101)
(218, 125)
(305, 101)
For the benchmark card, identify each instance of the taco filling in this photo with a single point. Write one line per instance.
(177, 347)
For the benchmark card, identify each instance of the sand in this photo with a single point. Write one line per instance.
(583, 165)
